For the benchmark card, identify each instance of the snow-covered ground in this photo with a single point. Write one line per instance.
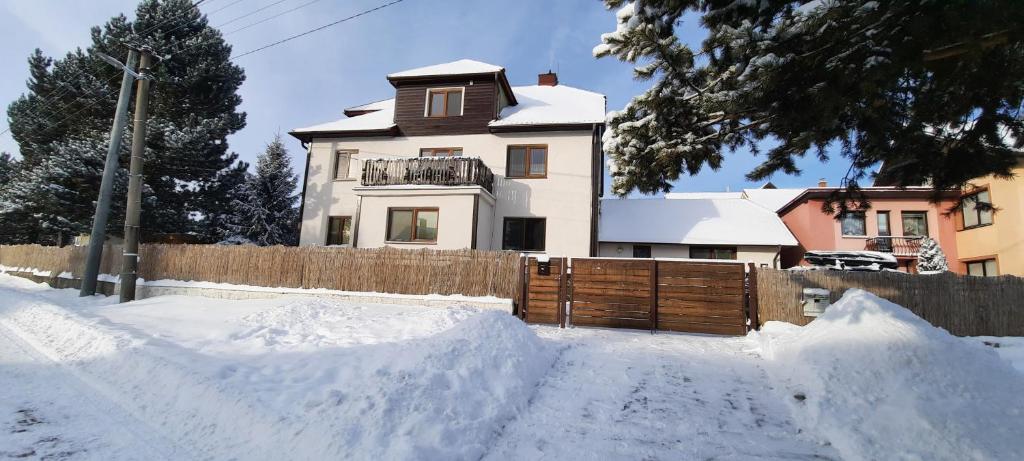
(194, 378)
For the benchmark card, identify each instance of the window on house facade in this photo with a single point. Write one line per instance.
(852, 223)
(701, 252)
(441, 152)
(641, 251)
(524, 234)
(339, 230)
(884, 230)
(915, 223)
(527, 162)
(412, 225)
(985, 268)
(973, 214)
(342, 164)
(444, 102)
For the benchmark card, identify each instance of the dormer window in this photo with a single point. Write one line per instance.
(444, 102)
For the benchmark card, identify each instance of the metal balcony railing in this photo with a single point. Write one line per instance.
(435, 171)
(908, 247)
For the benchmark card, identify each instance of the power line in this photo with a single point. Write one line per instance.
(278, 2)
(302, 34)
(272, 17)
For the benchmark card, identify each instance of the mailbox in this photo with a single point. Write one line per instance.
(814, 301)
(543, 265)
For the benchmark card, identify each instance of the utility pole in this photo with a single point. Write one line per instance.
(98, 236)
(130, 260)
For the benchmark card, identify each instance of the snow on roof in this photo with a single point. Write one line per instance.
(693, 195)
(721, 221)
(460, 67)
(772, 199)
(383, 118)
(541, 105)
(376, 105)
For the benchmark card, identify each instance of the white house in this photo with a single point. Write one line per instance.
(715, 225)
(459, 158)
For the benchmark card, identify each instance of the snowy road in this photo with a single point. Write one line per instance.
(633, 395)
(313, 378)
(47, 413)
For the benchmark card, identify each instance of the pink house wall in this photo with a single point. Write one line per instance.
(816, 230)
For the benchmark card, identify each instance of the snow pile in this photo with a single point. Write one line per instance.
(246, 380)
(878, 382)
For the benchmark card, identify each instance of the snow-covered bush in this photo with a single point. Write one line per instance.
(931, 258)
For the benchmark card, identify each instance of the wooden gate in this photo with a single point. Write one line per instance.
(544, 295)
(701, 297)
(676, 295)
(613, 293)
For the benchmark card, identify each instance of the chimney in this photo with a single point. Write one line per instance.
(548, 79)
(822, 183)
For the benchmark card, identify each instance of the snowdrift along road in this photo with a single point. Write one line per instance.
(441, 396)
(878, 382)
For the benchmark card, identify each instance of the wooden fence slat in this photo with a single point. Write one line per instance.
(963, 305)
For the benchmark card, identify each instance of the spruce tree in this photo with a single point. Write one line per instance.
(8, 166)
(192, 111)
(933, 89)
(266, 212)
(930, 257)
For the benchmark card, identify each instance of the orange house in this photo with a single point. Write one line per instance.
(896, 223)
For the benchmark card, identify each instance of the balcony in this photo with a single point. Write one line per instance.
(900, 247)
(433, 171)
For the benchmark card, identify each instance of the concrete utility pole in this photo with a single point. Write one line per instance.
(130, 260)
(98, 236)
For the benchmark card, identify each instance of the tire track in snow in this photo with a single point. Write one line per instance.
(49, 413)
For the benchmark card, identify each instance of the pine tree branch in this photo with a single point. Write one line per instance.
(985, 42)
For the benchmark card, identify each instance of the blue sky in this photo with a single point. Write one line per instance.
(312, 79)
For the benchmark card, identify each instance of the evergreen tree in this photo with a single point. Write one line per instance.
(8, 166)
(930, 257)
(193, 109)
(266, 212)
(933, 89)
(55, 200)
(219, 201)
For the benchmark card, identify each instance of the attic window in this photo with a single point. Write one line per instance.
(444, 102)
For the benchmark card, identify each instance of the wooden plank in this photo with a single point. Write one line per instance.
(669, 303)
(703, 319)
(583, 282)
(701, 282)
(541, 317)
(612, 278)
(752, 297)
(609, 291)
(636, 315)
(707, 271)
(586, 298)
(543, 297)
(545, 282)
(615, 323)
(644, 306)
(588, 266)
(732, 330)
(676, 290)
(735, 314)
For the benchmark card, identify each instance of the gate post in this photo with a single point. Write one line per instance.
(654, 295)
(752, 296)
(524, 273)
(562, 292)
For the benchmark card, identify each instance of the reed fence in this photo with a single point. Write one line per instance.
(963, 305)
(383, 270)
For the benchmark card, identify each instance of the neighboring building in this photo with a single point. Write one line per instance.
(716, 225)
(896, 223)
(459, 158)
(992, 242)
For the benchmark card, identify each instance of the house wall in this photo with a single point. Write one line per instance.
(1004, 239)
(454, 217)
(478, 103)
(563, 197)
(816, 230)
(757, 254)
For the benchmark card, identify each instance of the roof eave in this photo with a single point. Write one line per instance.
(307, 136)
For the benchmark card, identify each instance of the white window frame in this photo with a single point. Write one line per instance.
(334, 164)
(426, 102)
